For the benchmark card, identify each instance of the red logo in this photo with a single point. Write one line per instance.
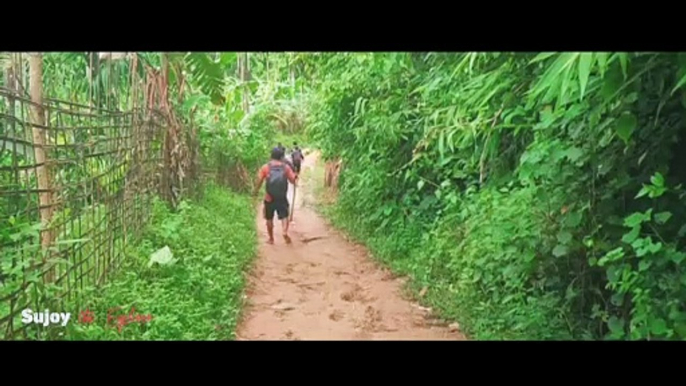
(86, 316)
(122, 320)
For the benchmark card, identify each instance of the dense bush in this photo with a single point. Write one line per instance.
(537, 196)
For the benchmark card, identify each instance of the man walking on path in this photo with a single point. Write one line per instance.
(297, 157)
(278, 174)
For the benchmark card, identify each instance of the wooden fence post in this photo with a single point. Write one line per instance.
(41, 158)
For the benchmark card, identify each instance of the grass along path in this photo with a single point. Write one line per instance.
(197, 297)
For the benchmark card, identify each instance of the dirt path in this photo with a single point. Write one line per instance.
(322, 287)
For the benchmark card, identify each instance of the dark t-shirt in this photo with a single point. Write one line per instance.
(298, 152)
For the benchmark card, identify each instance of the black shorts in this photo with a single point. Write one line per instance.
(296, 167)
(280, 207)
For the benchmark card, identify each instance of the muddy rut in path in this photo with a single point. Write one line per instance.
(322, 287)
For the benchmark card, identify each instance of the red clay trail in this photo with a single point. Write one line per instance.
(322, 287)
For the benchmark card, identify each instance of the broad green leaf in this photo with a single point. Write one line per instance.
(209, 74)
(585, 62)
(656, 192)
(677, 257)
(625, 126)
(663, 217)
(566, 79)
(613, 255)
(573, 219)
(602, 62)
(679, 84)
(658, 326)
(641, 251)
(420, 184)
(644, 191)
(550, 80)
(560, 250)
(589, 242)
(564, 237)
(654, 247)
(639, 243)
(612, 83)
(574, 153)
(162, 257)
(570, 59)
(658, 180)
(643, 265)
(632, 235)
(634, 220)
(542, 56)
(624, 62)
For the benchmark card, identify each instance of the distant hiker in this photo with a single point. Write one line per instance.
(278, 174)
(284, 158)
(297, 157)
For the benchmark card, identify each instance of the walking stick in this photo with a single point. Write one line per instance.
(293, 209)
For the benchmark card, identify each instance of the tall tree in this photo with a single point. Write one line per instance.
(244, 76)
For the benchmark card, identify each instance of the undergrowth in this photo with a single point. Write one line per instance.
(198, 296)
(534, 196)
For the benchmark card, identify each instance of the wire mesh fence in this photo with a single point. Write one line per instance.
(74, 192)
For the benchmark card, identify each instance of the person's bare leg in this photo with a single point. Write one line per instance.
(270, 230)
(284, 224)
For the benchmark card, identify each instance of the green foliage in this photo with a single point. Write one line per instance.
(501, 180)
(536, 195)
(208, 72)
(645, 274)
(203, 89)
(197, 297)
(230, 138)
